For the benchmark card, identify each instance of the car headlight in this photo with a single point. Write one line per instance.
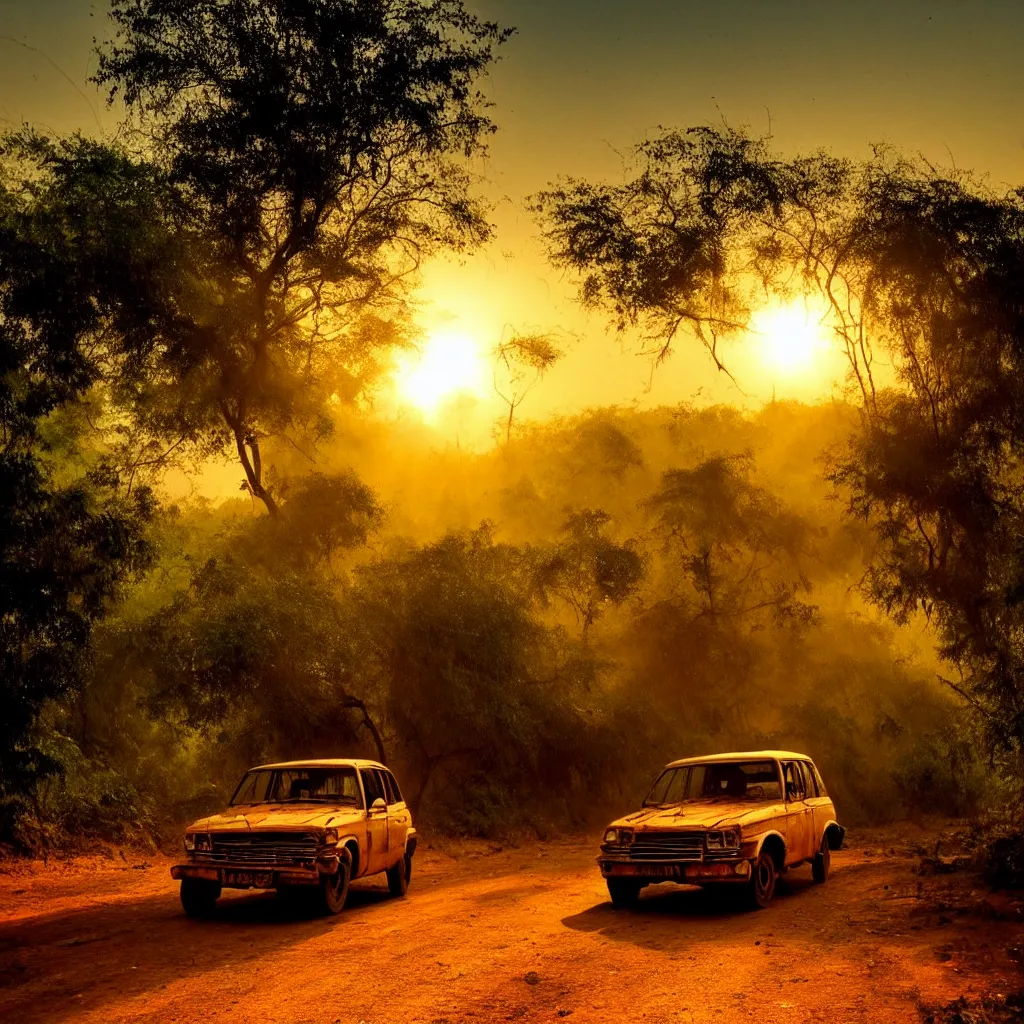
(611, 835)
(727, 840)
(331, 836)
(190, 842)
(203, 842)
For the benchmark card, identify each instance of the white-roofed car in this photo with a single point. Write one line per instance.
(736, 820)
(304, 828)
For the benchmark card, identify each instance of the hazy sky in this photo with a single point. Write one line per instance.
(584, 79)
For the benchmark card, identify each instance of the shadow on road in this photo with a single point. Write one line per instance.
(264, 907)
(654, 922)
(128, 948)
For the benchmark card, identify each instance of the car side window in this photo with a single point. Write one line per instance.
(811, 784)
(385, 782)
(822, 791)
(371, 786)
(394, 793)
(795, 788)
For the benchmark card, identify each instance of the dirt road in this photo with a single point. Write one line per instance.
(496, 935)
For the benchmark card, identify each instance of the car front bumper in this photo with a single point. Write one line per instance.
(726, 870)
(258, 876)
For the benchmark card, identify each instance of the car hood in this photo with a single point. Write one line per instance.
(701, 814)
(271, 817)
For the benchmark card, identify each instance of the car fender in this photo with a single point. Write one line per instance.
(343, 846)
(838, 834)
(772, 837)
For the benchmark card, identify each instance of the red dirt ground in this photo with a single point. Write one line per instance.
(490, 934)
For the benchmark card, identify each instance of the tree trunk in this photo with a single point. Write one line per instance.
(254, 468)
(369, 724)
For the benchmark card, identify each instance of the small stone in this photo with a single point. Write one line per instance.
(531, 978)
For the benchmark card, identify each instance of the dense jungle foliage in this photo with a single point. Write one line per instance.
(526, 635)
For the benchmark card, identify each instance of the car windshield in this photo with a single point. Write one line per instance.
(716, 780)
(298, 785)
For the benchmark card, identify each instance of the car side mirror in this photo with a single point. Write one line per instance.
(378, 805)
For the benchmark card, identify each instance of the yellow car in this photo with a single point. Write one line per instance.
(735, 820)
(302, 828)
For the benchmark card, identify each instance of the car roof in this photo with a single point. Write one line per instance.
(743, 755)
(324, 762)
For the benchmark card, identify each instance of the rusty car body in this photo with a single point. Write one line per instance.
(738, 819)
(304, 828)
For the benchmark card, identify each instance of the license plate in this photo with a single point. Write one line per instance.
(257, 879)
(649, 870)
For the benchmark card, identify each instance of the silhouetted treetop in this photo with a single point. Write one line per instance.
(279, 115)
(308, 156)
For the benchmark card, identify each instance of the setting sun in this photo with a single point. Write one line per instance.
(449, 363)
(793, 338)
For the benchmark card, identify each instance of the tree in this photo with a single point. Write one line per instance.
(478, 688)
(922, 265)
(658, 251)
(299, 159)
(67, 540)
(587, 570)
(521, 362)
(259, 641)
(734, 548)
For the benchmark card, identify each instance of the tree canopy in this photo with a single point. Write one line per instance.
(922, 266)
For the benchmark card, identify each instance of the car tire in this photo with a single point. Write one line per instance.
(822, 862)
(623, 891)
(199, 897)
(399, 876)
(333, 890)
(761, 887)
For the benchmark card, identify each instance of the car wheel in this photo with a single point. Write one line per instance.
(399, 875)
(198, 897)
(623, 891)
(334, 889)
(822, 861)
(762, 882)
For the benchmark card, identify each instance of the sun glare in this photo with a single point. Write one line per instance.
(448, 364)
(793, 339)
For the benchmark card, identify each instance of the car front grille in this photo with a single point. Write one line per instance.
(282, 848)
(687, 846)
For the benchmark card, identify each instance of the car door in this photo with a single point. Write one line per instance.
(376, 853)
(399, 816)
(819, 801)
(799, 820)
